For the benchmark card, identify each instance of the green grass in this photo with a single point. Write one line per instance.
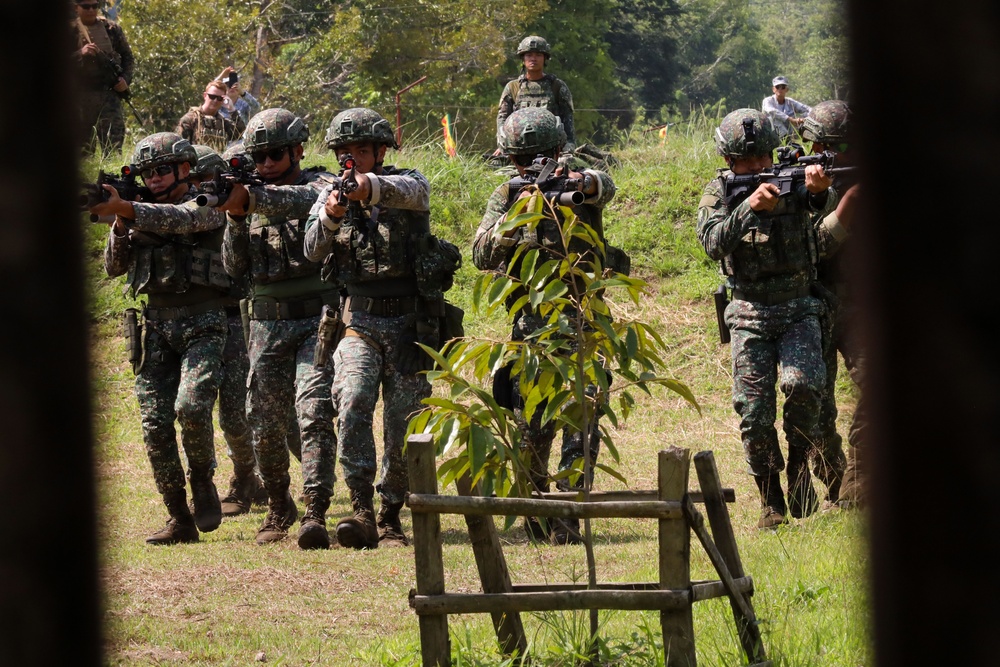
(226, 601)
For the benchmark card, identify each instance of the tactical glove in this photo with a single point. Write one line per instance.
(410, 358)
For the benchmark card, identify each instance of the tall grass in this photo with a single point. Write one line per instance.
(226, 601)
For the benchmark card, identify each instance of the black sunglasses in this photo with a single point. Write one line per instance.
(276, 154)
(91, 5)
(214, 98)
(162, 170)
(781, 86)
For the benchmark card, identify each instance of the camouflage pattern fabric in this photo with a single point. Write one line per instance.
(362, 369)
(233, 399)
(366, 362)
(179, 381)
(281, 376)
(214, 131)
(776, 345)
(548, 93)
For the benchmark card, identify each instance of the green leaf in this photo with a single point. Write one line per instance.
(479, 445)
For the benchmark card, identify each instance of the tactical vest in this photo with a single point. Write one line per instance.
(98, 71)
(399, 246)
(209, 130)
(540, 94)
(172, 263)
(277, 245)
(782, 242)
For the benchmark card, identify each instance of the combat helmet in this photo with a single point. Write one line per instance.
(209, 163)
(534, 43)
(359, 125)
(274, 128)
(828, 123)
(163, 148)
(531, 131)
(746, 133)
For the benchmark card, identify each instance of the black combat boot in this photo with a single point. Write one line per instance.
(565, 531)
(802, 498)
(312, 531)
(359, 531)
(243, 486)
(281, 514)
(772, 501)
(205, 503)
(180, 526)
(390, 530)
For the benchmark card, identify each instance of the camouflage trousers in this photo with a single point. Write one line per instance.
(364, 364)
(536, 440)
(282, 377)
(844, 338)
(233, 399)
(179, 381)
(781, 346)
(102, 119)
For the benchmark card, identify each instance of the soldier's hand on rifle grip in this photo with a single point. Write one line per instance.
(238, 200)
(363, 192)
(121, 85)
(764, 198)
(114, 205)
(333, 209)
(816, 179)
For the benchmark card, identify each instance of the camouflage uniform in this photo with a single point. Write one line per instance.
(774, 319)
(491, 252)
(828, 122)
(382, 254)
(215, 131)
(171, 253)
(288, 295)
(548, 92)
(100, 106)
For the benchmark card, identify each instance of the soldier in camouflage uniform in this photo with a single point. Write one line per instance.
(380, 249)
(526, 134)
(535, 88)
(169, 249)
(204, 125)
(768, 248)
(828, 127)
(264, 241)
(105, 63)
(209, 164)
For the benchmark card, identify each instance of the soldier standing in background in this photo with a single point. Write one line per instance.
(526, 134)
(535, 88)
(828, 127)
(767, 247)
(105, 65)
(264, 241)
(205, 125)
(169, 248)
(379, 248)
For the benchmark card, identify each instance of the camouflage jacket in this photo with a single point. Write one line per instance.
(101, 71)
(214, 131)
(548, 92)
(170, 250)
(268, 246)
(382, 247)
(834, 248)
(763, 253)
(490, 250)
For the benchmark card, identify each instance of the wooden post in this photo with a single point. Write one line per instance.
(493, 573)
(434, 645)
(675, 559)
(725, 541)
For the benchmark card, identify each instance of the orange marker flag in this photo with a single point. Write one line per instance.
(663, 134)
(449, 141)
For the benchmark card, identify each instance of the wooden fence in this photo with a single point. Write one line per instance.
(673, 595)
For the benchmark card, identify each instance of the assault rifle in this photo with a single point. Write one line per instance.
(788, 174)
(348, 184)
(215, 192)
(92, 194)
(560, 190)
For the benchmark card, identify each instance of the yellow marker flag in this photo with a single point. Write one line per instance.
(449, 141)
(663, 134)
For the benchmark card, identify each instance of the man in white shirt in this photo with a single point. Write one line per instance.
(784, 111)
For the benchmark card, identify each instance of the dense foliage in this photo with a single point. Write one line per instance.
(625, 60)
